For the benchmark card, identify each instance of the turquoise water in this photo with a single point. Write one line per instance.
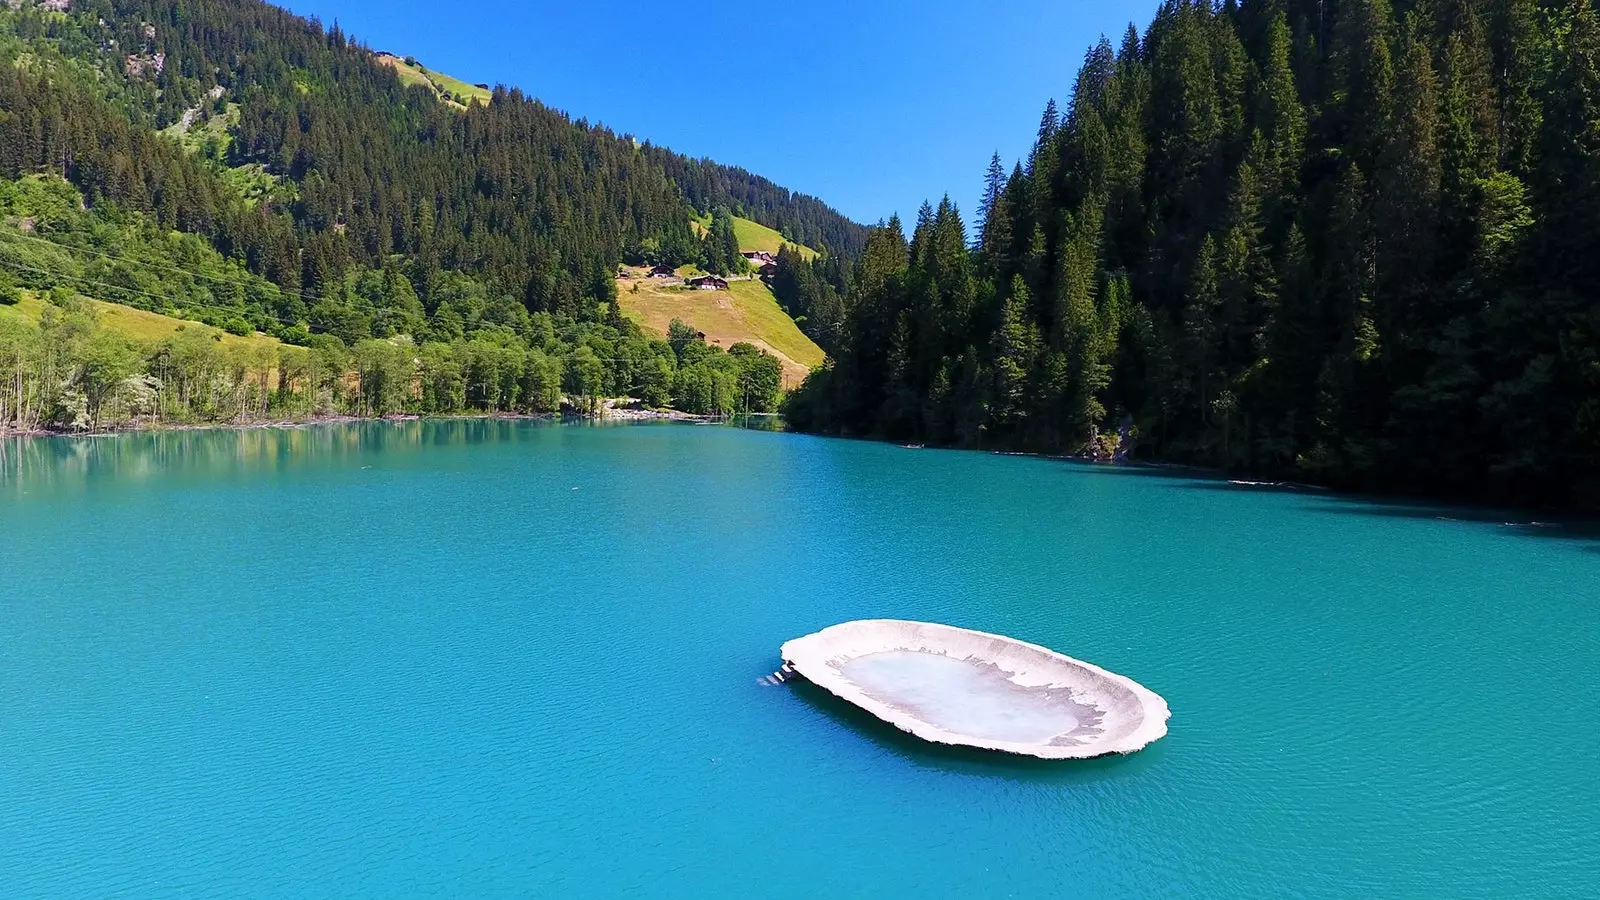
(512, 659)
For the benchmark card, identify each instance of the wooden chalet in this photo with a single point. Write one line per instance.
(708, 283)
(662, 271)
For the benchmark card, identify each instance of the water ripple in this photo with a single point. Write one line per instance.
(410, 660)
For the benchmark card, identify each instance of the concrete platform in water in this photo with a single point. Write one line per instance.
(956, 686)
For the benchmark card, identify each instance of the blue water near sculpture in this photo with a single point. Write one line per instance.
(470, 658)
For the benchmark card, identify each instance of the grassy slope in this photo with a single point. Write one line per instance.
(756, 236)
(436, 81)
(753, 235)
(136, 323)
(745, 312)
(457, 86)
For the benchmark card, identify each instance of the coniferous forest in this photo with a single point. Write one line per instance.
(229, 162)
(1346, 241)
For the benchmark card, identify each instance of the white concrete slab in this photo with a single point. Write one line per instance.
(957, 686)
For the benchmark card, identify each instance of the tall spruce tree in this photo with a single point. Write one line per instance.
(1324, 240)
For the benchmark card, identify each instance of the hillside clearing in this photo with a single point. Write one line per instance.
(447, 87)
(753, 235)
(746, 312)
(139, 324)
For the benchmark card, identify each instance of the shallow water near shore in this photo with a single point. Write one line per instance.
(484, 658)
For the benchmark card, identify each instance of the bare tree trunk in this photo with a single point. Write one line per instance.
(21, 401)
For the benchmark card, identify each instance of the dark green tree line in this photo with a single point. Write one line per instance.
(295, 152)
(1332, 239)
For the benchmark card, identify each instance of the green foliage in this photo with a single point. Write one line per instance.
(758, 378)
(10, 293)
(1330, 241)
(107, 361)
(301, 157)
(585, 378)
(719, 250)
(680, 336)
(800, 217)
(812, 293)
(478, 351)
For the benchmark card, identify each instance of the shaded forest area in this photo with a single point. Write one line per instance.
(1336, 240)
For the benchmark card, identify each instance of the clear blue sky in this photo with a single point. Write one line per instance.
(871, 106)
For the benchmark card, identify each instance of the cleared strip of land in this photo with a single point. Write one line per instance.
(745, 312)
(753, 235)
(136, 323)
(448, 87)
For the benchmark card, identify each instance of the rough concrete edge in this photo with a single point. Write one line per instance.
(809, 655)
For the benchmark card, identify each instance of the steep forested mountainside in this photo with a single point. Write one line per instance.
(227, 161)
(1332, 239)
(513, 191)
(801, 218)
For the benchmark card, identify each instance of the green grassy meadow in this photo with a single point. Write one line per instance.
(745, 312)
(139, 324)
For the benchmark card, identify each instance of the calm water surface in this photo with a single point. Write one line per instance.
(507, 659)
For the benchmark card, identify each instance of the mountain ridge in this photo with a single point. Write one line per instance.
(229, 162)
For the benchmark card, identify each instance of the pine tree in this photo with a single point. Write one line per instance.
(1281, 120)
(1246, 280)
(1126, 103)
(1015, 346)
(1041, 172)
(1049, 122)
(1406, 203)
(1293, 352)
(1363, 78)
(1569, 165)
(1521, 59)
(1200, 326)
(994, 227)
(1187, 159)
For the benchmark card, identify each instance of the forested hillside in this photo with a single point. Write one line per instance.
(801, 218)
(514, 191)
(1341, 240)
(227, 161)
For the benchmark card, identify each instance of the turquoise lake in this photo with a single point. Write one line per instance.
(473, 658)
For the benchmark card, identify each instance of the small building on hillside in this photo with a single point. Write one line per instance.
(759, 257)
(708, 283)
(662, 271)
(767, 270)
